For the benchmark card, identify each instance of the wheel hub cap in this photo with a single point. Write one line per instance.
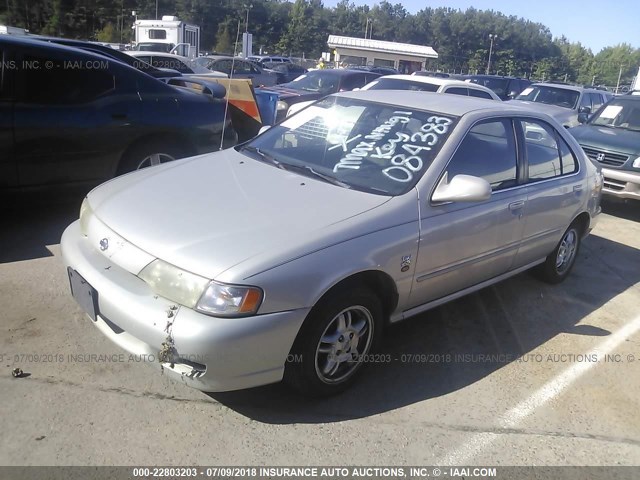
(345, 340)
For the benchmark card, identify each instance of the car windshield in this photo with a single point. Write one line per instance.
(400, 84)
(498, 85)
(154, 47)
(321, 81)
(352, 143)
(619, 114)
(562, 97)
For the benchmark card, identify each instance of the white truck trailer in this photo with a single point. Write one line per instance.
(169, 35)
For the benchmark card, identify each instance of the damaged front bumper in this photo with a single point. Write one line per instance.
(207, 353)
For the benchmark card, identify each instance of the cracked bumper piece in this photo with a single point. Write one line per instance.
(208, 353)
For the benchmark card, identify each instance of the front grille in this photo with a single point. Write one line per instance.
(606, 158)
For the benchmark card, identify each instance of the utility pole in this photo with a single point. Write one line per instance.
(619, 76)
(492, 37)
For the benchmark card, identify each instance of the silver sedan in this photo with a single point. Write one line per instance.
(286, 257)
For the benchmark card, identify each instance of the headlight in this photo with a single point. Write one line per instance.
(85, 215)
(174, 283)
(636, 163)
(230, 300)
(281, 105)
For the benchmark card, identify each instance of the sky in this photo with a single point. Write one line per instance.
(594, 23)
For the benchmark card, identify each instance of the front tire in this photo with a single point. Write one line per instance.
(333, 343)
(559, 263)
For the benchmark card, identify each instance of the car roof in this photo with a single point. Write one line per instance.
(225, 57)
(36, 41)
(481, 75)
(457, 105)
(565, 87)
(441, 82)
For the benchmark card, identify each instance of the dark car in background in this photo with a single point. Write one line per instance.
(375, 69)
(316, 84)
(114, 54)
(239, 68)
(611, 138)
(69, 116)
(286, 71)
(507, 88)
(568, 104)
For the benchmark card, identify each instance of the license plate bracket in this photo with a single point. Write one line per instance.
(83, 293)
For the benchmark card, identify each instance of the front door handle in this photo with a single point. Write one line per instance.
(513, 206)
(577, 188)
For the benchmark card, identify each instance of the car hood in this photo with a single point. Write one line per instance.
(209, 213)
(607, 138)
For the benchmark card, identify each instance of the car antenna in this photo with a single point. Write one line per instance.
(226, 105)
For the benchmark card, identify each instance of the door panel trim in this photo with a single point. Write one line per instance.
(436, 303)
(469, 261)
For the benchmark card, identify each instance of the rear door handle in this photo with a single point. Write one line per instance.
(513, 206)
(119, 116)
(577, 188)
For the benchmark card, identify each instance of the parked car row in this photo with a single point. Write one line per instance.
(610, 125)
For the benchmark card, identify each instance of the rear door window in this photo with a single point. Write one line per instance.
(479, 94)
(548, 155)
(353, 81)
(457, 91)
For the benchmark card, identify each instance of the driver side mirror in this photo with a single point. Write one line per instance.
(584, 109)
(512, 94)
(462, 188)
(583, 117)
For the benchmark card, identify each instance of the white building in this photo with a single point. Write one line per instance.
(405, 57)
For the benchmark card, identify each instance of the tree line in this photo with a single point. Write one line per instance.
(461, 38)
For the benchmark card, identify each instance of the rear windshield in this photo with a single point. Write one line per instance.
(561, 97)
(401, 84)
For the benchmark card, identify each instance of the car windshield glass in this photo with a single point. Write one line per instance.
(620, 114)
(320, 81)
(498, 85)
(562, 97)
(154, 47)
(377, 148)
(401, 84)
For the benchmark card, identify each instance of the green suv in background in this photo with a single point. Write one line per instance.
(611, 137)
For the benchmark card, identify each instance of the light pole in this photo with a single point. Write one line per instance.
(246, 24)
(156, 9)
(492, 37)
(366, 28)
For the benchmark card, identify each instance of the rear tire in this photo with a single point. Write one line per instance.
(333, 344)
(559, 263)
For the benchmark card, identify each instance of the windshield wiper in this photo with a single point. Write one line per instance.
(264, 156)
(290, 166)
(321, 176)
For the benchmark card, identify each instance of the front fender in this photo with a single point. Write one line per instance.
(302, 282)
